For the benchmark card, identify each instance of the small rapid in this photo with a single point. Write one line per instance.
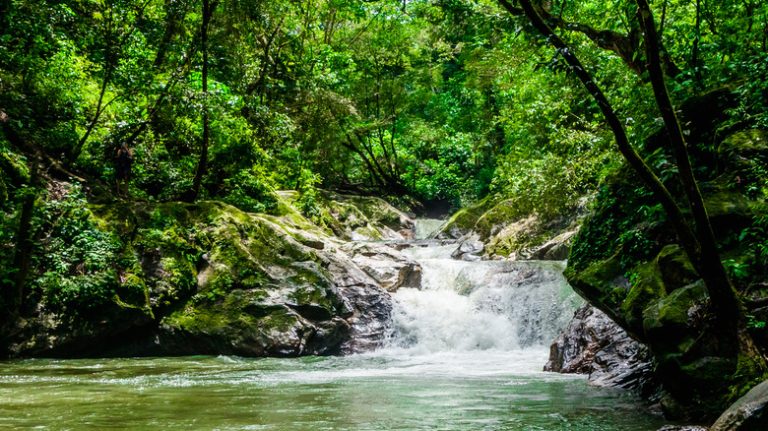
(465, 307)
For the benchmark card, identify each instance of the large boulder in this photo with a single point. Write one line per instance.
(748, 413)
(503, 230)
(593, 344)
(363, 218)
(386, 265)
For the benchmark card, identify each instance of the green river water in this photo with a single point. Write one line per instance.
(389, 391)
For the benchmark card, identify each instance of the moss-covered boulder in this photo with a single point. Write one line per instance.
(625, 261)
(353, 218)
(208, 278)
(506, 231)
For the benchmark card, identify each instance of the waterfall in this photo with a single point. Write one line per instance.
(480, 306)
(427, 227)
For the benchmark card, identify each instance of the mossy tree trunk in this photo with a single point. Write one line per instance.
(13, 292)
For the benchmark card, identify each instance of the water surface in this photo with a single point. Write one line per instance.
(385, 391)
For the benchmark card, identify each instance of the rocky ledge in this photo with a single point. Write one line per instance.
(207, 278)
(593, 344)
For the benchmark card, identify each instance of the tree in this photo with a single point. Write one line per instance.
(695, 236)
(202, 166)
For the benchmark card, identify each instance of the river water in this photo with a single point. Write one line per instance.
(465, 353)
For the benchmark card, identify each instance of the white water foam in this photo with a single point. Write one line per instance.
(483, 307)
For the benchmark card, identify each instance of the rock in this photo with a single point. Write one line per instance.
(469, 249)
(387, 266)
(556, 248)
(748, 413)
(207, 278)
(593, 344)
(464, 221)
(364, 218)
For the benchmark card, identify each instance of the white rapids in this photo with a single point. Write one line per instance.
(481, 311)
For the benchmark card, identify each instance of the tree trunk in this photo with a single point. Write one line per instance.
(13, 294)
(202, 165)
(725, 302)
(22, 258)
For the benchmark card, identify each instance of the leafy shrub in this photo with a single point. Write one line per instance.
(79, 258)
(308, 199)
(251, 190)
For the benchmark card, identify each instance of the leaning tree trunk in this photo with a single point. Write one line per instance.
(725, 303)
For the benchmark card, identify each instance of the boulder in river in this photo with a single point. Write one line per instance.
(386, 265)
(748, 413)
(593, 344)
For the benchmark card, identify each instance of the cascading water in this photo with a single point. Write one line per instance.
(426, 227)
(466, 307)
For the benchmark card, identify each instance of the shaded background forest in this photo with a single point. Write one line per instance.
(445, 102)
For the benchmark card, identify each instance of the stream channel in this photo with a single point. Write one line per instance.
(465, 353)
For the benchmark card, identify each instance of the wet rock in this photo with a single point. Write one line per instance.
(387, 266)
(212, 279)
(470, 249)
(593, 344)
(748, 413)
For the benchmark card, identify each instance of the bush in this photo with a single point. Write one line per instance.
(80, 260)
(251, 190)
(308, 199)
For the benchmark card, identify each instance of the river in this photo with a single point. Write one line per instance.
(465, 353)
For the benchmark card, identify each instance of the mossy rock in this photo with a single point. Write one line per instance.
(647, 287)
(463, 221)
(740, 150)
(675, 268)
(667, 321)
(604, 285)
(208, 278)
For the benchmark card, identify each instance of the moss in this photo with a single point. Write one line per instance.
(625, 218)
(675, 268)
(495, 218)
(667, 322)
(517, 236)
(647, 287)
(465, 219)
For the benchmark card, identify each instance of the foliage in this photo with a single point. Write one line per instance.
(308, 196)
(447, 102)
(80, 260)
(251, 190)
